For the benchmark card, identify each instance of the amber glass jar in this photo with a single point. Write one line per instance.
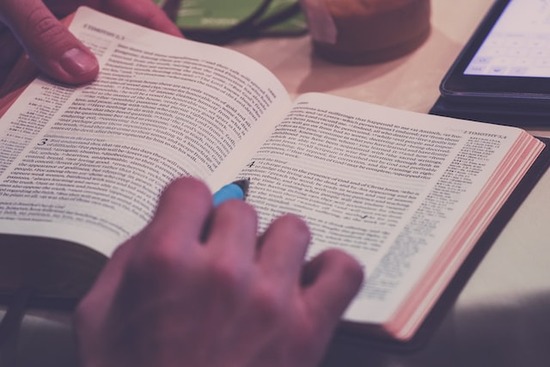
(366, 31)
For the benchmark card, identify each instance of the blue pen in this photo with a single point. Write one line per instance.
(235, 190)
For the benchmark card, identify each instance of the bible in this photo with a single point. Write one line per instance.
(81, 168)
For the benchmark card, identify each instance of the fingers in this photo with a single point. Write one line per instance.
(143, 12)
(233, 231)
(283, 247)
(181, 214)
(54, 49)
(182, 210)
(49, 44)
(168, 245)
(333, 278)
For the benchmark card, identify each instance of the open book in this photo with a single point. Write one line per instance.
(407, 194)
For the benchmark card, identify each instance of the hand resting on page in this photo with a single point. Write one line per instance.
(175, 296)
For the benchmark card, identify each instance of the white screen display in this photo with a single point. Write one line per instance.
(518, 44)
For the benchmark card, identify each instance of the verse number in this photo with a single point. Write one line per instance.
(43, 141)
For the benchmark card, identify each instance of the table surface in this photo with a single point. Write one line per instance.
(502, 315)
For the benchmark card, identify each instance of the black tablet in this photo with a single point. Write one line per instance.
(507, 60)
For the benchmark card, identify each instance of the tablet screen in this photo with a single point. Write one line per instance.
(518, 44)
(507, 58)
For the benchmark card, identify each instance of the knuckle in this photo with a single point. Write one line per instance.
(269, 304)
(44, 23)
(157, 257)
(150, 19)
(226, 275)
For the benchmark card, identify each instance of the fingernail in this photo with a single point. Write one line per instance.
(77, 62)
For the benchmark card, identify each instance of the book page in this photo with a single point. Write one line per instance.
(87, 164)
(387, 186)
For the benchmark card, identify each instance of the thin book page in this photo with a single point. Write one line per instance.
(376, 182)
(87, 164)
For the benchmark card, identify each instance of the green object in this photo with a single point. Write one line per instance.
(221, 21)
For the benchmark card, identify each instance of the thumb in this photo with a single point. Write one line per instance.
(49, 43)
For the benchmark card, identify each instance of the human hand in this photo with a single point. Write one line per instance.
(33, 25)
(168, 298)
